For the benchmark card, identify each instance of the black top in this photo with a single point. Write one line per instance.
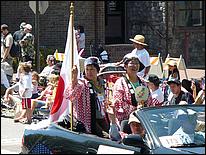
(183, 96)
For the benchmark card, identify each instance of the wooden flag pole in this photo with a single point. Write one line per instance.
(72, 62)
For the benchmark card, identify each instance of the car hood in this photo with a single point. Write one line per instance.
(193, 150)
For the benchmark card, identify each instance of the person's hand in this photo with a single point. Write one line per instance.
(2, 60)
(193, 87)
(74, 75)
(110, 112)
(141, 105)
(6, 98)
(107, 103)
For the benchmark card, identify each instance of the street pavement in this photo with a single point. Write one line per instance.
(11, 136)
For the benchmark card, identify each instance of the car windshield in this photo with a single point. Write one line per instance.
(180, 126)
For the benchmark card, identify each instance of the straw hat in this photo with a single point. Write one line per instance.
(139, 39)
(172, 63)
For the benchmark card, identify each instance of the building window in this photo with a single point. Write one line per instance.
(190, 13)
(114, 22)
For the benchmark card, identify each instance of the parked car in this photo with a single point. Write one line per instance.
(173, 129)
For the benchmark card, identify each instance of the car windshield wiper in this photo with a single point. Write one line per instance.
(188, 145)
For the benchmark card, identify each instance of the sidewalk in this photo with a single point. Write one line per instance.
(192, 73)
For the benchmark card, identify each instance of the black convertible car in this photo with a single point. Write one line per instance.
(174, 129)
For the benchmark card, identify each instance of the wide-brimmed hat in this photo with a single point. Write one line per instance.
(139, 39)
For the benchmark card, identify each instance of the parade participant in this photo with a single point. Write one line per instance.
(156, 92)
(124, 91)
(133, 124)
(88, 97)
(142, 54)
(178, 94)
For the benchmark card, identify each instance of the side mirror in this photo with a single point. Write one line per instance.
(137, 141)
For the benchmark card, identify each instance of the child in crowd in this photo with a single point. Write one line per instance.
(47, 95)
(25, 92)
(35, 81)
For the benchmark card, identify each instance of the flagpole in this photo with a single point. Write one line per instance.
(72, 62)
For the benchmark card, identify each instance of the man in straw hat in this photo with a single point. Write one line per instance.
(142, 53)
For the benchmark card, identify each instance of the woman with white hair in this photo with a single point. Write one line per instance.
(50, 64)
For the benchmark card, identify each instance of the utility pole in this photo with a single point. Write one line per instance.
(167, 25)
(37, 60)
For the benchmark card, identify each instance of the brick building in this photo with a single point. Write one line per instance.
(173, 27)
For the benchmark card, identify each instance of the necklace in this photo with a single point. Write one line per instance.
(98, 87)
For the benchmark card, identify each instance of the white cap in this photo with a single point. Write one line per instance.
(22, 25)
(28, 26)
(133, 118)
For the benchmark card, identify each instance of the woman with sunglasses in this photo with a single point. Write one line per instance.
(89, 98)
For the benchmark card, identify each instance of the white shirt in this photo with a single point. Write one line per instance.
(34, 88)
(46, 71)
(6, 43)
(25, 82)
(82, 40)
(144, 58)
(7, 68)
(104, 55)
(4, 79)
(158, 95)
